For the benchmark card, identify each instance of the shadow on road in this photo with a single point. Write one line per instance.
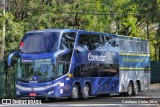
(100, 99)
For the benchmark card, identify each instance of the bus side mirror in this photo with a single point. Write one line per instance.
(9, 61)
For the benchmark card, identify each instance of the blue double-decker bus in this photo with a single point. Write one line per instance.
(55, 63)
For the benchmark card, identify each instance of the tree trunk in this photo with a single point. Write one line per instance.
(1, 51)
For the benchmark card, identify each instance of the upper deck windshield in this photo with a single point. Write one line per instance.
(40, 42)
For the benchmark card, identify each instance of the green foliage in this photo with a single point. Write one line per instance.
(14, 32)
(125, 17)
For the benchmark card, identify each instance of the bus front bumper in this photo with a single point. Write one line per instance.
(56, 91)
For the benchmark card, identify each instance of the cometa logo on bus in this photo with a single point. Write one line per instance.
(92, 57)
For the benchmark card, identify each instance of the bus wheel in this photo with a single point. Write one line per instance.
(130, 89)
(75, 92)
(85, 92)
(136, 89)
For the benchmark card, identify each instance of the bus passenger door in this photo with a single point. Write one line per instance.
(63, 63)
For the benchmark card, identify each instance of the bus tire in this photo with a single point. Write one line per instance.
(103, 95)
(130, 89)
(123, 94)
(75, 92)
(136, 89)
(85, 92)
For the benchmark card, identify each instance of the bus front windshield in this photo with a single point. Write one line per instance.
(36, 70)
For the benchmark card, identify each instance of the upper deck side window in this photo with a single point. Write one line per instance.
(85, 42)
(111, 44)
(135, 46)
(67, 40)
(97, 42)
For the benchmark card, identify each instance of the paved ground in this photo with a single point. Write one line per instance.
(153, 92)
(149, 98)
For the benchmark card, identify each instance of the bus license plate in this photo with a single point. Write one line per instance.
(32, 94)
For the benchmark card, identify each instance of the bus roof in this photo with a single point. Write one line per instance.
(131, 38)
(64, 30)
(87, 32)
(51, 30)
(95, 33)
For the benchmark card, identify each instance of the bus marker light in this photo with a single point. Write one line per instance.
(17, 92)
(21, 45)
(70, 75)
(32, 94)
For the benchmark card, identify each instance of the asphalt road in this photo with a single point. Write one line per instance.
(100, 101)
(149, 98)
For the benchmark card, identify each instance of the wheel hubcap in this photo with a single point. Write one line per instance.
(130, 90)
(136, 89)
(75, 92)
(85, 91)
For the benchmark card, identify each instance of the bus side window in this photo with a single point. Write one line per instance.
(86, 70)
(94, 71)
(67, 41)
(60, 69)
(99, 44)
(85, 42)
(77, 71)
(138, 47)
(63, 68)
(64, 62)
(144, 47)
(122, 46)
(108, 70)
(83, 71)
(63, 45)
(111, 44)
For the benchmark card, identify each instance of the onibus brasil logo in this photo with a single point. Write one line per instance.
(19, 102)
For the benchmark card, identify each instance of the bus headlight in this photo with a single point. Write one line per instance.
(50, 92)
(17, 93)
